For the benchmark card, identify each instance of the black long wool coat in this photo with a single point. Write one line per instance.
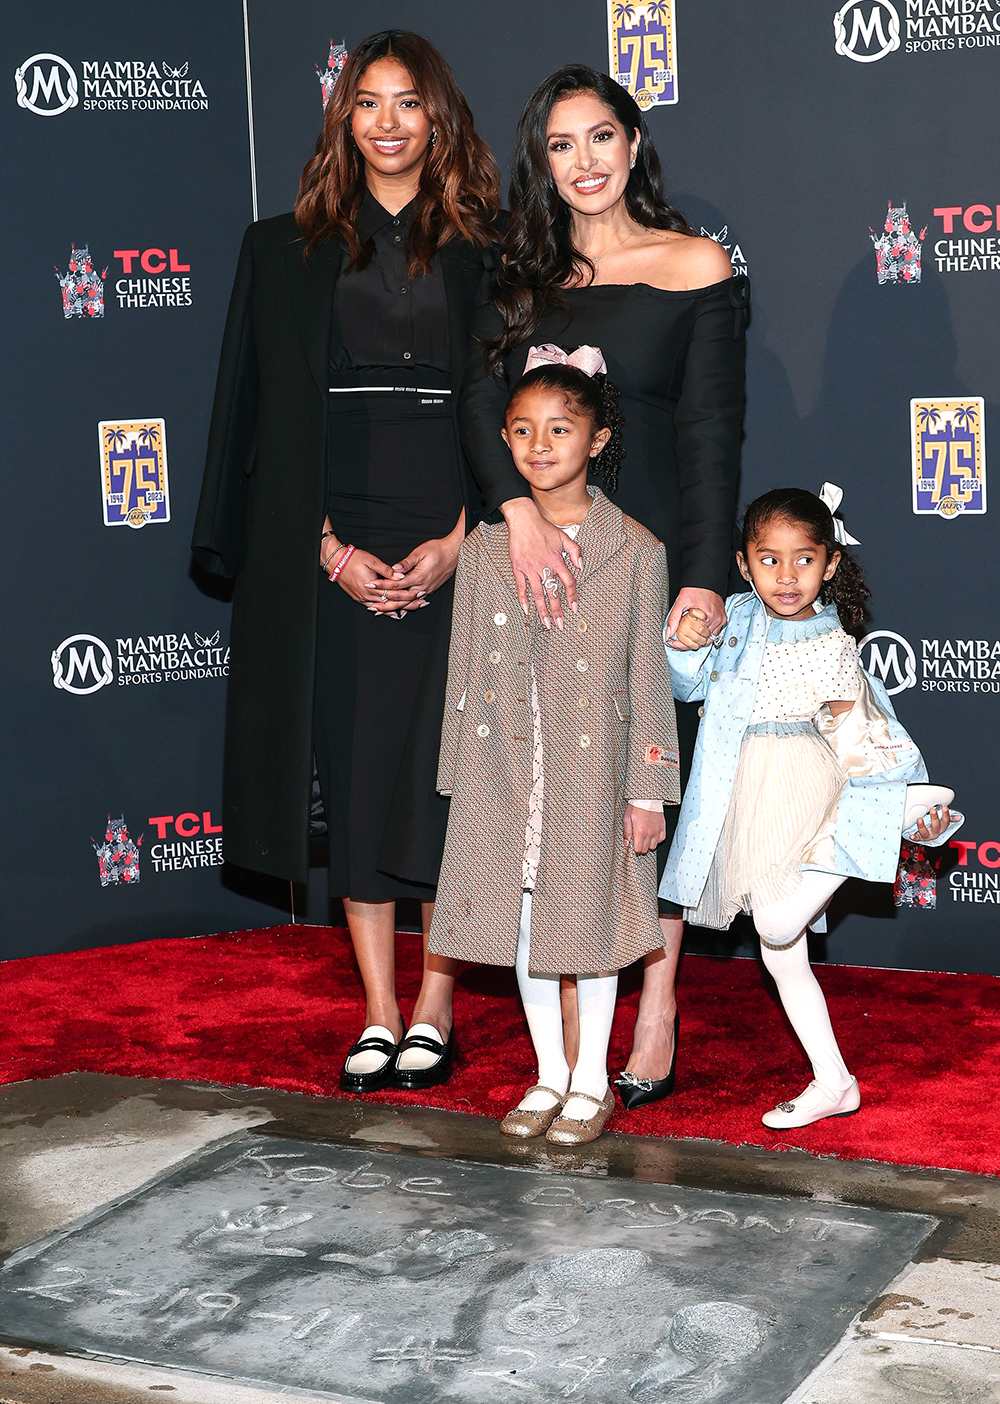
(261, 515)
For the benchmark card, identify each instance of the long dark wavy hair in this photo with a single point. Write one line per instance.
(847, 589)
(459, 182)
(539, 257)
(592, 395)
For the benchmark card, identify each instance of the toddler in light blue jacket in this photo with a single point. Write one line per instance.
(802, 775)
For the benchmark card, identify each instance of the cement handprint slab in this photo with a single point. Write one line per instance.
(361, 1275)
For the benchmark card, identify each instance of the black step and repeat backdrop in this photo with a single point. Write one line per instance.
(842, 153)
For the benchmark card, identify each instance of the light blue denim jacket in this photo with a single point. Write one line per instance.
(724, 678)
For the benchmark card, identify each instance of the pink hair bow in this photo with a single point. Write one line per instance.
(585, 358)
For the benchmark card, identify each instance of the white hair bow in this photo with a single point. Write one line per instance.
(585, 358)
(831, 496)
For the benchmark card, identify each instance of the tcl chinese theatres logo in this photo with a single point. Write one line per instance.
(966, 881)
(161, 288)
(152, 277)
(970, 243)
(186, 840)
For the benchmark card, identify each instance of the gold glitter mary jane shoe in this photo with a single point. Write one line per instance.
(524, 1124)
(571, 1131)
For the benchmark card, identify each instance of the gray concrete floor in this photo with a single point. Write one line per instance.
(71, 1144)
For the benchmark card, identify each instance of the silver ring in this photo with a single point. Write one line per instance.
(385, 596)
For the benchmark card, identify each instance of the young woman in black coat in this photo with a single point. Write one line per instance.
(594, 256)
(337, 495)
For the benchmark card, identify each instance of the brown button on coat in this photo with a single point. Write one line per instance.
(608, 736)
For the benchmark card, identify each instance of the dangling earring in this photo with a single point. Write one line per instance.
(631, 164)
(434, 137)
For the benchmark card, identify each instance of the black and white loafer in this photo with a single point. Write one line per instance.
(425, 1039)
(371, 1062)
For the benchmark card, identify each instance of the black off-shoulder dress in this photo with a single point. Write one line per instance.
(678, 360)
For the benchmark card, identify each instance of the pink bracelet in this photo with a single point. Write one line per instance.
(341, 563)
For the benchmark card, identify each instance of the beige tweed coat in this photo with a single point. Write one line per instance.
(608, 736)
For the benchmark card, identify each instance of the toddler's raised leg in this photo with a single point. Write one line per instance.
(784, 950)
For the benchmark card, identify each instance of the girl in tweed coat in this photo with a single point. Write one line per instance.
(559, 749)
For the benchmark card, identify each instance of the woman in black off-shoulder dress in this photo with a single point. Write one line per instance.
(594, 256)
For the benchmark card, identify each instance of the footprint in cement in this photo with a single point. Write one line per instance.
(423, 1253)
(701, 1338)
(928, 1382)
(558, 1280)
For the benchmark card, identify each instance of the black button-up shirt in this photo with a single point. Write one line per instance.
(383, 320)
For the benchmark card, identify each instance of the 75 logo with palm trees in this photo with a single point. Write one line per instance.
(134, 471)
(642, 45)
(949, 456)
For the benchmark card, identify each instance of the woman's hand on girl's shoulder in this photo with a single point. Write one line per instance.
(538, 554)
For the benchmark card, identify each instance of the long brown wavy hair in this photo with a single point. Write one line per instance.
(459, 182)
(539, 257)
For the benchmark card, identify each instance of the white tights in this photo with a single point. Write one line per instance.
(596, 996)
(786, 955)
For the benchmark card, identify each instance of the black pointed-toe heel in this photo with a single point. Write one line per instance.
(640, 1091)
(381, 1077)
(416, 1079)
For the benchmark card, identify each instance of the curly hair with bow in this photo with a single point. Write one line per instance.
(594, 396)
(847, 588)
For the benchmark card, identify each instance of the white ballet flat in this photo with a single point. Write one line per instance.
(815, 1103)
(920, 801)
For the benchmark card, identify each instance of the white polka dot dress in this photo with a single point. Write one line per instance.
(787, 779)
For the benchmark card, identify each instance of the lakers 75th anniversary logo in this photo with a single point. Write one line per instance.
(642, 49)
(949, 456)
(134, 471)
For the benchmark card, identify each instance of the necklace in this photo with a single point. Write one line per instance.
(613, 249)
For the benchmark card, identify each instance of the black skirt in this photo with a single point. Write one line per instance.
(393, 482)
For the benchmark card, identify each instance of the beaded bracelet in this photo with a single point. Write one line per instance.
(325, 565)
(348, 553)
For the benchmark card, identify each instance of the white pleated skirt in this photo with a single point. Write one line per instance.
(787, 784)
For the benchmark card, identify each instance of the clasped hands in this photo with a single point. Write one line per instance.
(397, 590)
(692, 630)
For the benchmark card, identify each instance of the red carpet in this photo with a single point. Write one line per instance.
(278, 1008)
